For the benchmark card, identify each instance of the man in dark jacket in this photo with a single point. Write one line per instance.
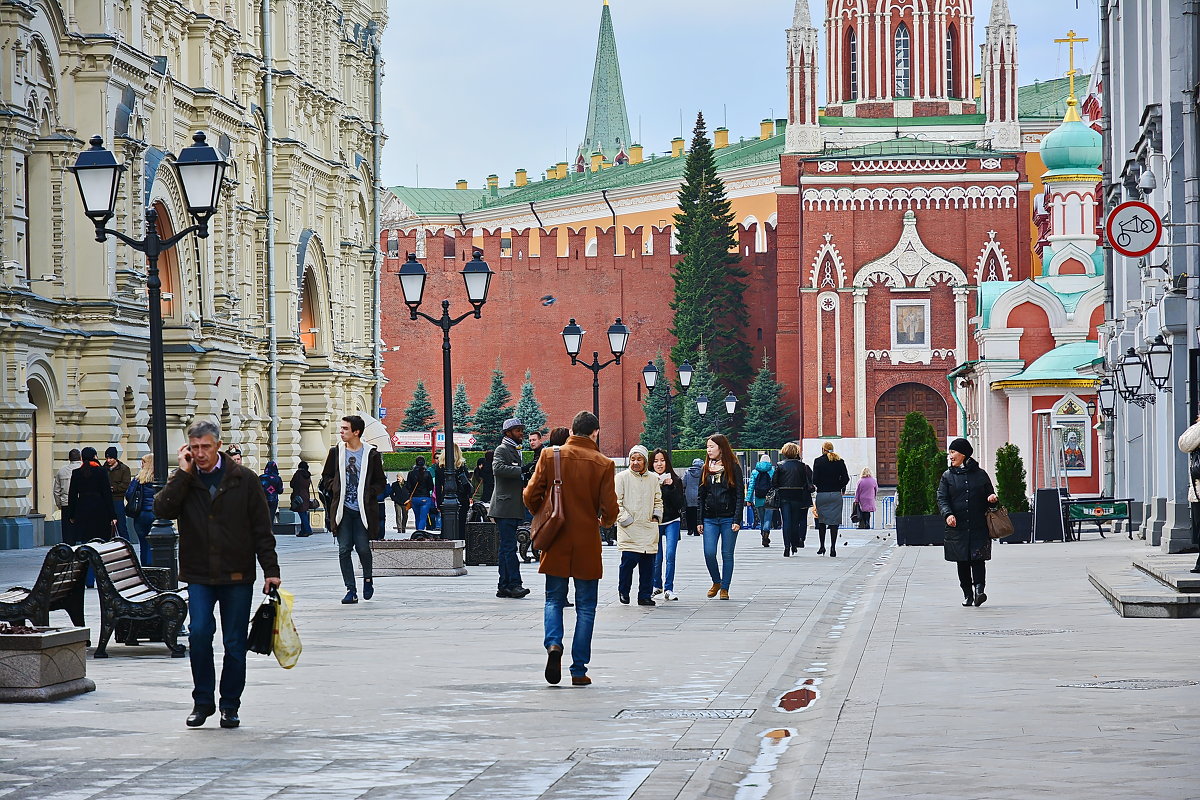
(354, 479)
(507, 508)
(691, 494)
(223, 525)
(119, 478)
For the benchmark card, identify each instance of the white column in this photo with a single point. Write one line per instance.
(860, 361)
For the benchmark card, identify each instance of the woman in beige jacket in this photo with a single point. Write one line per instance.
(639, 510)
(1189, 443)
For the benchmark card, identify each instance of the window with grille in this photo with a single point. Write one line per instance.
(851, 70)
(952, 63)
(903, 48)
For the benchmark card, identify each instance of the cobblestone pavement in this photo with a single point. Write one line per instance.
(433, 690)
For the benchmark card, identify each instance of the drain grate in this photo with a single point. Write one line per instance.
(635, 755)
(1019, 632)
(685, 713)
(1139, 684)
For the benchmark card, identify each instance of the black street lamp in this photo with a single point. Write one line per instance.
(201, 169)
(1107, 393)
(1131, 372)
(618, 339)
(651, 375)
(1158, 363)
(731, 404)
(477, 276)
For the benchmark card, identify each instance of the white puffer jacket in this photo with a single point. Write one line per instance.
(1189, 441)
(639, 507)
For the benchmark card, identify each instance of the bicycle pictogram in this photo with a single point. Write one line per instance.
(1133, 229)
(1133, 225)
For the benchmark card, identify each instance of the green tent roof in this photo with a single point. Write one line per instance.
(905, 146)
(1048, 99)
(1057, 366)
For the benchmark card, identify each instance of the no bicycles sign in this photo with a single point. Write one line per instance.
(1133, 229)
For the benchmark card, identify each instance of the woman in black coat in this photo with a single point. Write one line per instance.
(830, 477)
(964, 496)
(89, 500)
(793, 484)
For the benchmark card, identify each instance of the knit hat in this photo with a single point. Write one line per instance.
(697, 462)
(637, 449)
(510, 423)
(110, 452)
(962, 446)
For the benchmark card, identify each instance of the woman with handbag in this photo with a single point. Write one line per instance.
(864, 497)
(831, 478)
(139, 504)
(301, 486)
(420, 488)
(964, 496)
(793, 488)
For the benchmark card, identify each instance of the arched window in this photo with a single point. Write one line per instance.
(902, 43)
(952, 63)
(850, 69)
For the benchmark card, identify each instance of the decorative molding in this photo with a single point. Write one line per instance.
(990, 163)
(819, 278)
(909, 355)
(911, 263)
(992, 248)
(909, 198)
(912, 165)
(827, 166)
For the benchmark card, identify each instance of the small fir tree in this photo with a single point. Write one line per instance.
(529, 410)
(654, 406)
(709, 301)
(767, 424)
(464, 419)
(492, 412)
(694, 429)
(1010, 478)
(420, 414)
(916, 464)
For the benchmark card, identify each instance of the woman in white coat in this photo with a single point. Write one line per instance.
(639, 511)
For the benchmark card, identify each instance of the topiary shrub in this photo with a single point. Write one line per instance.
(1010, 478)
(917, 467)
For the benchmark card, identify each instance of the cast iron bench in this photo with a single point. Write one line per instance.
(130, 604)
(59, 586)
(1078, 511)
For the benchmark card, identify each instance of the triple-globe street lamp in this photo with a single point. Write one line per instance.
(731, 404)
(651, 375)
(201, 169)
(618, 340)
(477, 276)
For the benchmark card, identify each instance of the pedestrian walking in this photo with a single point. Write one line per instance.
(234, 453)
(691, 496)
(380, 531)
(140, 496)
(402, 499)
(456, 481)
(588, 498)
(485, 484)
(353, 479)
(864, 497)
(668, 531)
(224, 525)
(507, 508)
(119, 477)
(62, 489)
(89, 500)
(964, 496)
(830, 478)
(558, 437)
(720, 498)
(756, 496)
(420, 492)
(639, 510)
(272, 485)
(793, 482)
(1189, 442)
(302, 497)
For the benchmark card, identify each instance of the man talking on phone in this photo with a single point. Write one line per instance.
(224, 524)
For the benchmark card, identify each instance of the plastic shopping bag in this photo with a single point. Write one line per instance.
(286, 641)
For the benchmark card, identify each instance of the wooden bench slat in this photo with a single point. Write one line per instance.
(14, 596)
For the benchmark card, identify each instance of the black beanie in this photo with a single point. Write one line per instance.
(962, 446)
(110, 452)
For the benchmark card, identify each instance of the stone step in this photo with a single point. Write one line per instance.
(1133, 593)
(1173, 570)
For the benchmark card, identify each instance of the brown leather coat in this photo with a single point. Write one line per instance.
(590, 501)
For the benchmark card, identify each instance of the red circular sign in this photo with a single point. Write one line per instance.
(1133, 229)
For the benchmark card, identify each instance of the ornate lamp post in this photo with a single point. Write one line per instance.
(1107, 393)
(201, 169)
(651, 375)
(1131, 373)
(618, 339)
(477, 276)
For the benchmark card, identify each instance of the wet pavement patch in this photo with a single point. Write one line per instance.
(1136, 684)
(685, 713)
(1018, 632)
(799, 699)
(635, 755)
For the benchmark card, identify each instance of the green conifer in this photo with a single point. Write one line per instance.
(695, 429)
(1010, 479)
(464, 419)
(420, 414)
(654, 406)
(768, 418)
(529, 410)
(493, 411)
(917, 467)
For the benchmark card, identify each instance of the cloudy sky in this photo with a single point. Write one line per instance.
(474, 87)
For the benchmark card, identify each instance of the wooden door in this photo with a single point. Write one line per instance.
(893, 406)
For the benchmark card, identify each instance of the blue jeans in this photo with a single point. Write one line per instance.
(585, 619)
(234, 599)
(645, 566)
(714, 529)
(668, 541)
(420, 508)
(305, 523)
(506, 557)
(352, 535)
(142, 524)
(119, 508)
(795, 523)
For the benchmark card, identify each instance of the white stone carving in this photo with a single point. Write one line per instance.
(990, 163)
(910, 263)
(992, 253)
(908, 198)
(911, 165)
(827, 166)
(837, 277)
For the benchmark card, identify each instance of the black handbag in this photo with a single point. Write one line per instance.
(854, 512)
(262, 626)
(772, 499)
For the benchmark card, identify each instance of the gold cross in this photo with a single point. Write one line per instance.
(1071, 41)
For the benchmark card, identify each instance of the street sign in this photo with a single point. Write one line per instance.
(460, 439)
(411, 438)
(382, 413)
(1133, 229)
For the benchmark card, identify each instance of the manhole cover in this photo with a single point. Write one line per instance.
(1018, 632)
(1129, 683)
(634, 755)
(685, 713)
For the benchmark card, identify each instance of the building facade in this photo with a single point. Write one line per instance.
(269, 327)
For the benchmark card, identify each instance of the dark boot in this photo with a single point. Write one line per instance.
(968, 595)
(833, 532)
(980, 597)
(821, 537)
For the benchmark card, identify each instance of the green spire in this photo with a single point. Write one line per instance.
(608, 119)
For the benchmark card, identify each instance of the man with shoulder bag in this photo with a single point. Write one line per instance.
(1189, 442)
(506, 507)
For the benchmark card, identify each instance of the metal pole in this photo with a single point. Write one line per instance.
(162, 534)
(450, 506)
(269, 254)
(596, 384)
(670, 452)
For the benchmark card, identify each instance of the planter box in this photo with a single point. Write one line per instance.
(919, 530)
(1022, 522)
(438, 558)
(47, 665)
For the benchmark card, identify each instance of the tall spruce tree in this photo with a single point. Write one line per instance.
(654, 406)
(529, 410)
(694, 429)
(464, 419)
(917, 467)
(420, 413)
(768, 418)
(493, 411)
(709, 302)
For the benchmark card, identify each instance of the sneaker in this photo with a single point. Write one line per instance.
(670, 596)
(350, 598)
(657, 592)
(368, 590)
